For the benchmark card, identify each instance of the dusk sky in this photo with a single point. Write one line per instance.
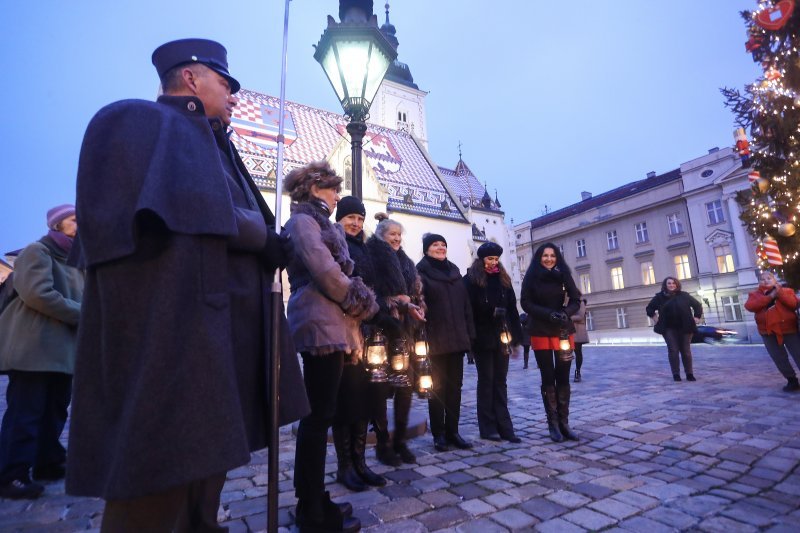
(547, 98)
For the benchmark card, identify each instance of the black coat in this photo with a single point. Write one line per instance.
(675, 312)
(543, 292)
(171, 371)
(488, 327)
(449, 325)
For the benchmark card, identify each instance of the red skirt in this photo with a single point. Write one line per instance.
(549, 343)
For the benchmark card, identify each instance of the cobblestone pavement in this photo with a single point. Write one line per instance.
(720, 454)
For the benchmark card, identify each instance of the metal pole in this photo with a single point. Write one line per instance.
(277, 311)
(356, 128)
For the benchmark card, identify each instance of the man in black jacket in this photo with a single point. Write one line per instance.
(179, 249)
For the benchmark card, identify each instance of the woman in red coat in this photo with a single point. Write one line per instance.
(774, 307)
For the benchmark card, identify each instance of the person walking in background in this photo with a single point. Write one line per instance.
(325, 311)
(497, 330)
(37, 350)
(581, 337)
(774, 308)
(676, 315)
(180, 252)
(359, 400)
(398, 288)
(546, 286)
(525, 340)
(450, 331)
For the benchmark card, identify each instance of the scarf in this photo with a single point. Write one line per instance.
(62, 241)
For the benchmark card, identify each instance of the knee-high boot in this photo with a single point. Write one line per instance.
(551, 410)
(563, 395)
(402, 410)
(383, 448)
(346, 474)
(358, 432)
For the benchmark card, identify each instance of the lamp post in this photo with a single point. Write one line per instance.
(355, 56)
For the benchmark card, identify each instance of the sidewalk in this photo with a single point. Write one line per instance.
(721, 454)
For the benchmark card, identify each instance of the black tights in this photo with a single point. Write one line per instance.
(578, 355)
(554, 372)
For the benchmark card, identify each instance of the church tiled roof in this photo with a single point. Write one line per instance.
(470, 191)
(313, 134)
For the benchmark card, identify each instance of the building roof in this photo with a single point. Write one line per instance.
(313, 134)
(629, 189)
(470, 191)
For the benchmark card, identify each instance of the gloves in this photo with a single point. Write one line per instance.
(558, 317)
(277, 252)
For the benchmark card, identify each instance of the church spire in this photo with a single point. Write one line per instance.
(398, 72)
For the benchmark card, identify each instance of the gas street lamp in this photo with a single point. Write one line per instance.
(355, 57)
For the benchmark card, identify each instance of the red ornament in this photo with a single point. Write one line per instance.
(775, 17)
(768, 250)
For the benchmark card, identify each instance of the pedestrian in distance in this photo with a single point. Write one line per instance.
(497, 332)
(325, 312)
(450, 331)
(359, 400)
(775, 307)
(525, 341)
(398, 288)
(676, 314)
(38, 331)
(180, 251)
(581, 337)
(547, 285)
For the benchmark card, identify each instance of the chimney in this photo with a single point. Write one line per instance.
(713, 150)
(585, 195)
(651, 174)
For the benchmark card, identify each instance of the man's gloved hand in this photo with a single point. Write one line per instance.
(277, 252)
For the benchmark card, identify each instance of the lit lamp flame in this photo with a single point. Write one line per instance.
(375, 357)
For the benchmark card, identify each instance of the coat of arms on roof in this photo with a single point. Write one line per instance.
(258, 123)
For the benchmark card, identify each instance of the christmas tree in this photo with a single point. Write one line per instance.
(770, 109)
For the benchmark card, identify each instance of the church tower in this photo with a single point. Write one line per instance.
(399, 103)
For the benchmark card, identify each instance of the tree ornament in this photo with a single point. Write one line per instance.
(796, 101)
(756, 44)
(769, 251)
(757, 182)
(775, 18)
(787, 229)
(742, 146)
(772, 74)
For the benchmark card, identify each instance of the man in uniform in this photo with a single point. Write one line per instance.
(179, 249)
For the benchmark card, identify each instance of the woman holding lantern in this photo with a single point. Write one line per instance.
(325, 311)
(497, 329)
(399, 292)
(547, 285)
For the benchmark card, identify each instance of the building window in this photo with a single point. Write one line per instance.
(616, 278)
(715, 214)
(348, 174)
(682, 269)
(648, 273)
(650, 322)
(675, 224)
(724, 258)
(622, 318)
(611, 237)
(732, 308)
(586, 284)
(641, 232)
(580, 247)
(589, 321)
(560, 249)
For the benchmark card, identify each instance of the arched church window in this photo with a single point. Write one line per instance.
(348, 173)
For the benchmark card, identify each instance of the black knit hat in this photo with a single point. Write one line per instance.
(430, 238)
(489, 249)
(350, 205)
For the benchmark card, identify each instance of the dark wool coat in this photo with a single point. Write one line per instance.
(449, 323)
(484, 300)
(675, 312)
(171, 373)
(543, 292)
(39, 327)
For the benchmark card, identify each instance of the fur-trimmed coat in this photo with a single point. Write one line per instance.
(326, 306)
(396, 275)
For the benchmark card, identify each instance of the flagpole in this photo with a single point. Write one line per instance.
(277, 310)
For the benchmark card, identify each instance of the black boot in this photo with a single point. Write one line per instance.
(792, 385)
(317, 515)
(346, 474)
(358, 433)
(402, 409)
(550, 409)
(383, 448)
(563, 394)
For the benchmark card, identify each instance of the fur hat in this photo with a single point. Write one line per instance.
(430, 238)
(350, 205)
(59, 213)
(489, 249)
